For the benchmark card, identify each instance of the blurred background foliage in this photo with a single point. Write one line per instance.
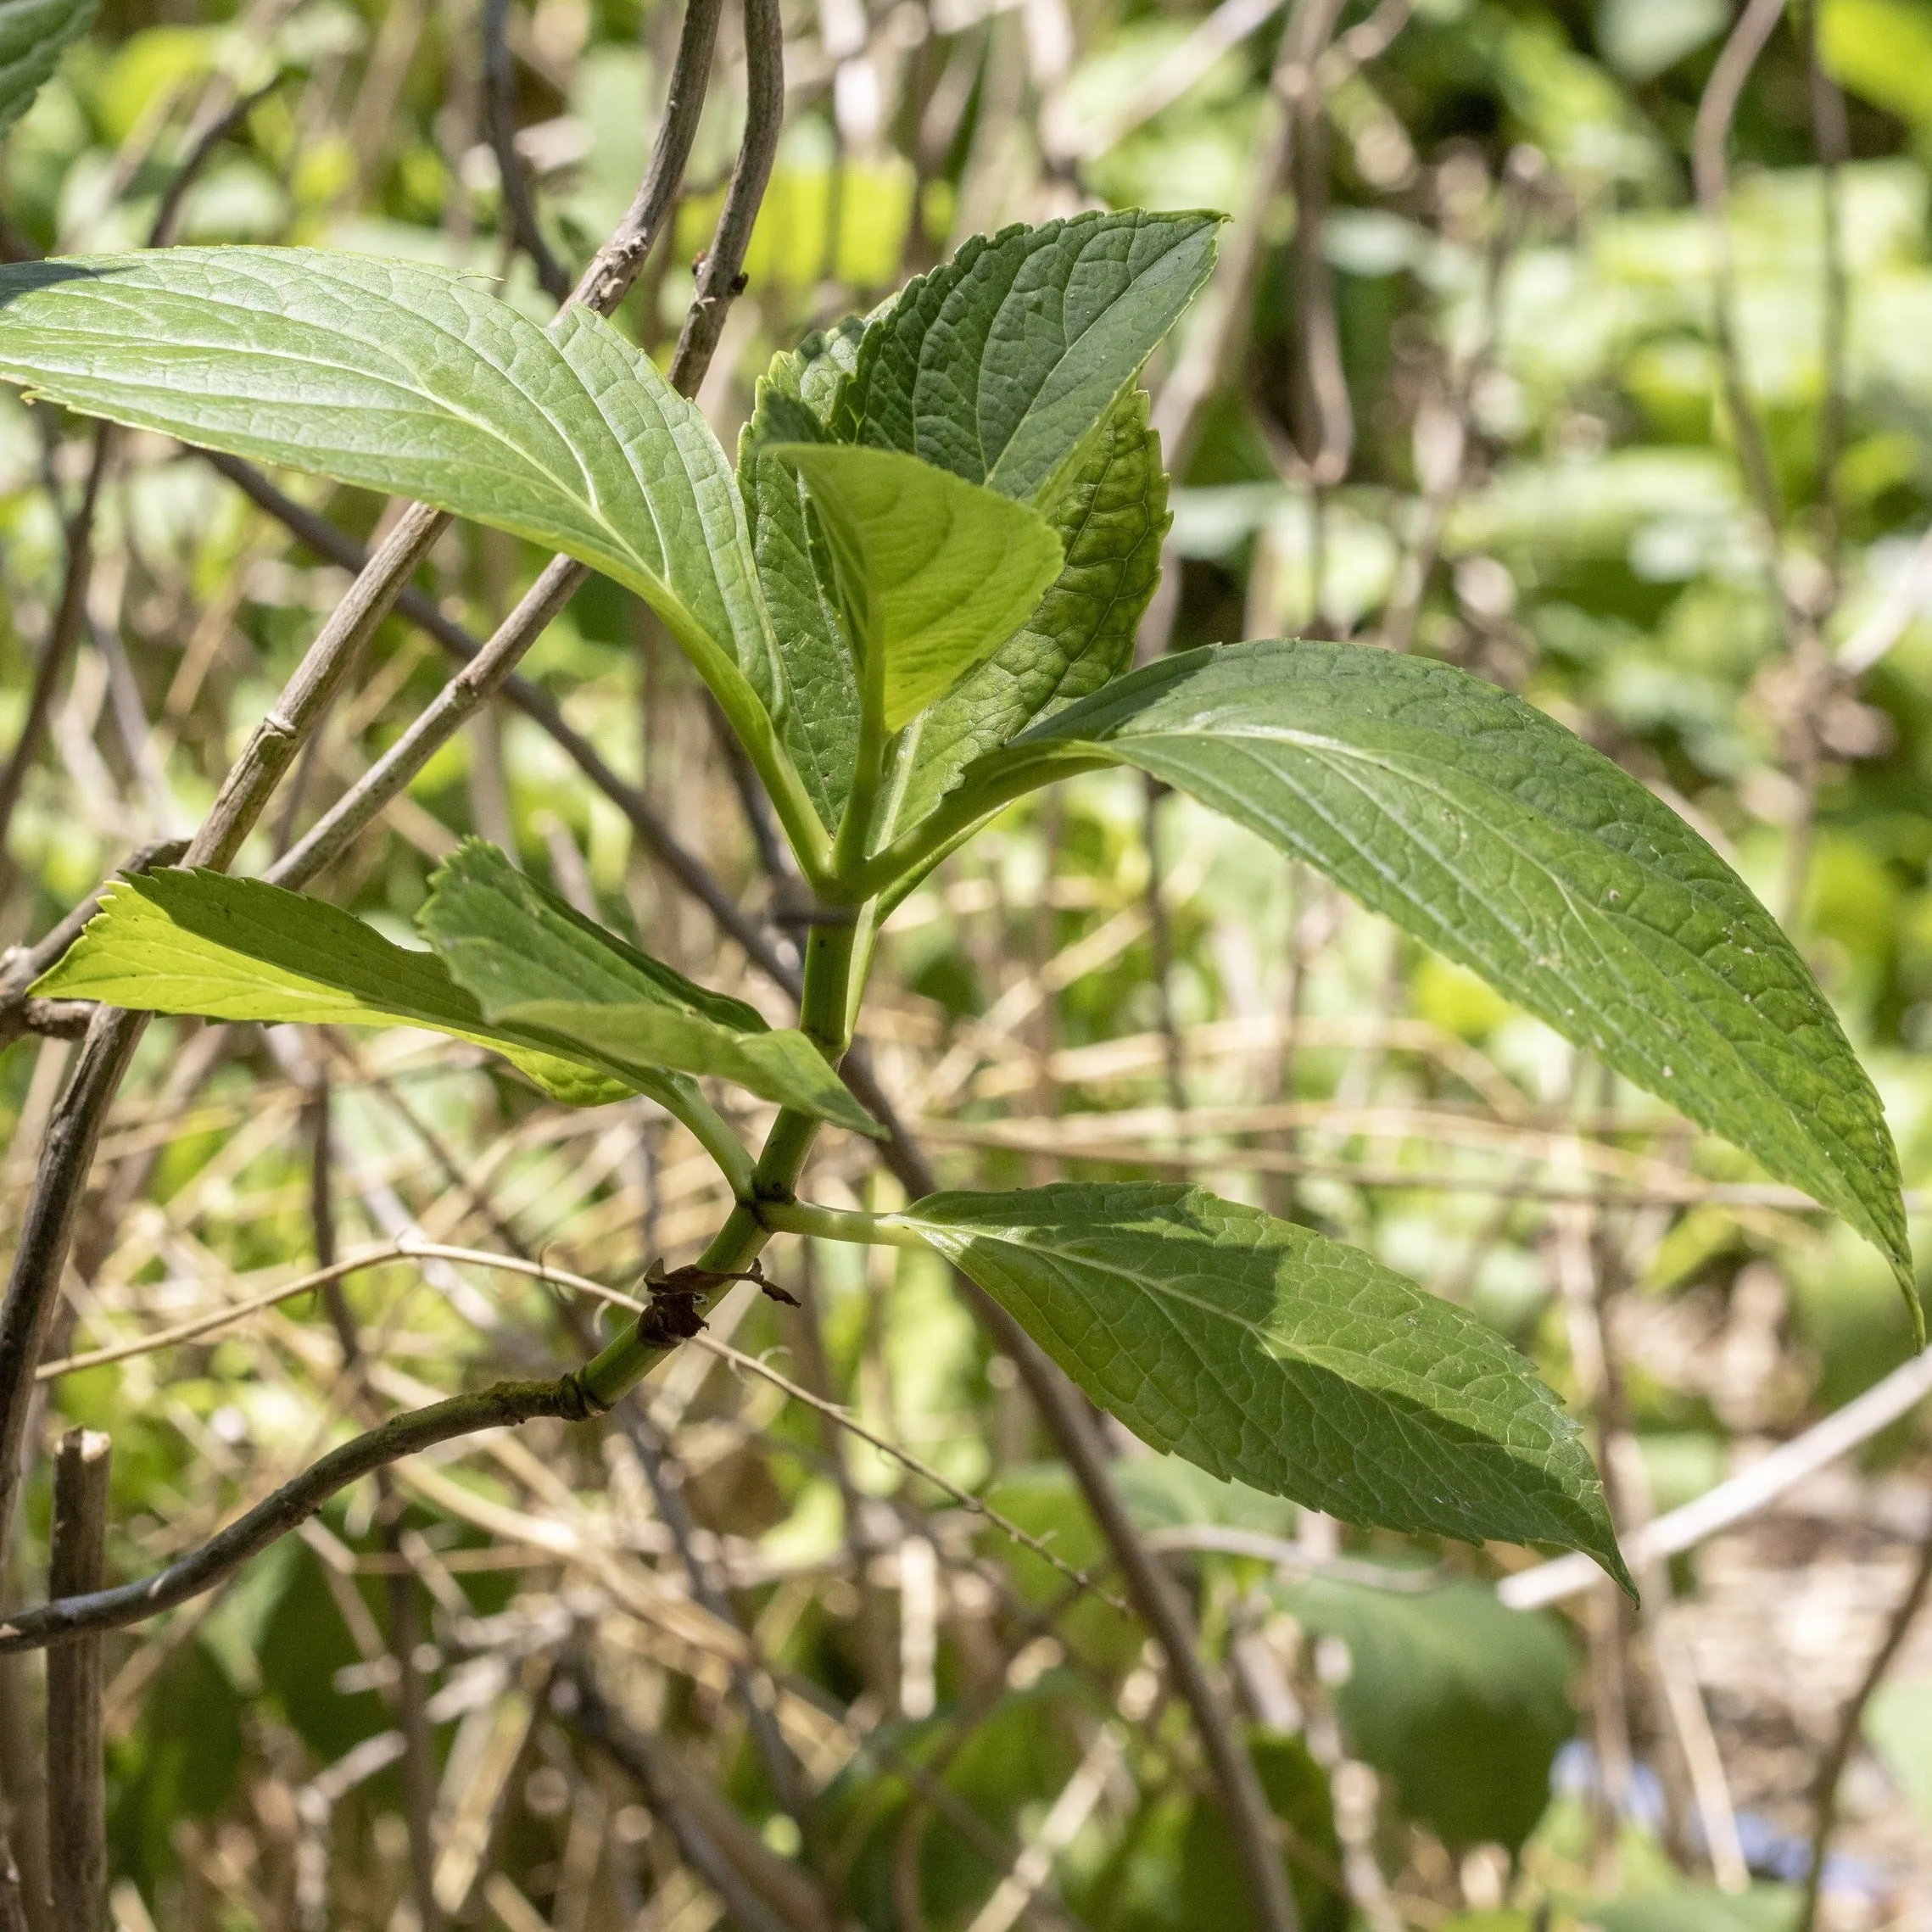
(1468, 383)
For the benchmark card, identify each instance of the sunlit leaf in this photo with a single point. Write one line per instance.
(1274, 1357)
(1489, 831)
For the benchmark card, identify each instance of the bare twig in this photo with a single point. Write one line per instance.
(721, 276)
(63, 636)
(519, 207)
(607, 280)
(719, 282)
(502, 1405)
(1831, 1773)
(1742, 1496)
(76, 1791)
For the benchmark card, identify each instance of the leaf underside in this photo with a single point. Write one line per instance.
(34, 34)
(413, 381)
(1273, 1357)
(1504, 841)
(200, 942)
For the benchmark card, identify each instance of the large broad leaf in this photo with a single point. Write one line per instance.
(1110, 516)
(1503, 840)
(201, 942)
(413, 381)
(33, 35)
(1460, 1703)
(935, 573)
(998, 366)
(536, 965)
(1273, 1357)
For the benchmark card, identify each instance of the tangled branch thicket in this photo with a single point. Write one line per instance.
(1582, 349)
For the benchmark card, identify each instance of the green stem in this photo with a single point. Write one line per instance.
(714, 1134)
(972, 802)
(823, 1010)
(836, 1224)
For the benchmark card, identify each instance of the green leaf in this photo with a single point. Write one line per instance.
(936, 573)
(1272, 1357)
(201, 942)
(33, 36)
(412, 380)
(536, 965)
(1461, 1703)
(1503, 840)
(998, 366)
(1110, 516)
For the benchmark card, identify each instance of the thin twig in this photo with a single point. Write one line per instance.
(1740, 1496)
(519, 207)
(585, 1711)
(721, 278)
(719, 282)
(76, 1788)
(502, 1405)
(1831, 1773)
(606, 282)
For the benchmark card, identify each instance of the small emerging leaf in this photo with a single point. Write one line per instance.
(1110, 514)
(536, 965)
(1494, 835)
(936, 573)
(1273, 1357)
(33, 36)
